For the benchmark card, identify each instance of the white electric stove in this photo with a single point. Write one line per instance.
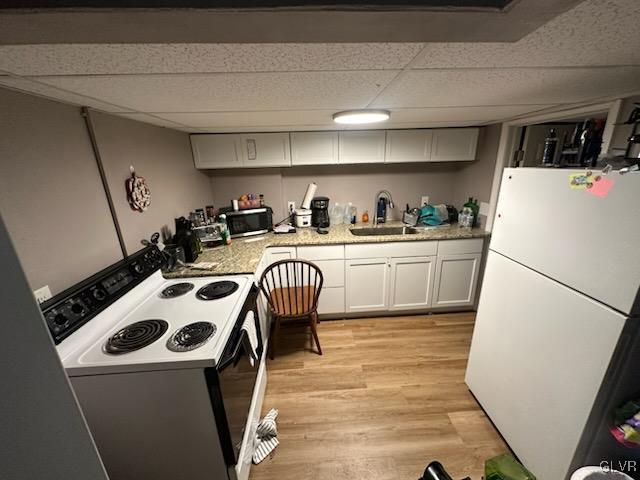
(163, 368)
(163, 324)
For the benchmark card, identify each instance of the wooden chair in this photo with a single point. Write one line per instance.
(292, 288)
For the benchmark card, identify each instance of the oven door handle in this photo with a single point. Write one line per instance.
(234, 357)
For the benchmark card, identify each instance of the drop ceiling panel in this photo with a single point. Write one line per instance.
(231, 92)
(595, 32)
(323, 118)
(507, 86)
(26, 85)
(68, 59)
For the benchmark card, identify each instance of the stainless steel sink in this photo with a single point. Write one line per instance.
(372, 231)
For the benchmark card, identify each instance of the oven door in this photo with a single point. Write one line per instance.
(232, 382)
(250, 222)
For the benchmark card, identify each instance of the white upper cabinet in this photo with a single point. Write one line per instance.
(404, 146)
(283, 149)
(454, 144)
(216, 151)
(314, 148)
(265, 150)
(362, 146)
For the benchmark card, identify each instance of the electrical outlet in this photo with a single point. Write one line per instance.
(424, 200)
(42, 294)
(291, 206)
(484, 209)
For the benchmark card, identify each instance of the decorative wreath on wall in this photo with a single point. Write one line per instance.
(138, 192)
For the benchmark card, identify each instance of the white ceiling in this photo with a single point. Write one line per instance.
(586, 54)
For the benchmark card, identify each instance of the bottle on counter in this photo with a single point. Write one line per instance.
(475, 210)
(261, 200)
(365, 216)
(224, 230)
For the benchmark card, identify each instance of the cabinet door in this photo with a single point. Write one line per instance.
(411, 282)
(454, 144)
(404, 146)
(216, 151)
(266, 150)
(456, 280)
(367, 285)
(365, 146)
(276, 254)
(314, 148)
(331, 301)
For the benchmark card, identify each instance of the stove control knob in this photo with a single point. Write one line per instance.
(136, 267)
(77, 308)
(99, 294)
(60, 319)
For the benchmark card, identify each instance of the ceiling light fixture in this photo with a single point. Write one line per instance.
(357, 117)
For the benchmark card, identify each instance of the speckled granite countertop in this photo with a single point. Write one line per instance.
(244, 254)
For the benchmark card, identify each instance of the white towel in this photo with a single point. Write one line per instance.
(266, 439)
(249, 326)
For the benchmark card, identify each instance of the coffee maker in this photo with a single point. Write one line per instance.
(186, 238)
(320, 212)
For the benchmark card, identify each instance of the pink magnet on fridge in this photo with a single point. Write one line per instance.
(601, 188)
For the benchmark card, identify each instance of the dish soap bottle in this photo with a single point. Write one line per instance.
(365, 216)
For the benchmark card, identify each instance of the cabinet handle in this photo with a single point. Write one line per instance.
(252, 149)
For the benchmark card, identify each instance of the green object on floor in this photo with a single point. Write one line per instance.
(505, 467)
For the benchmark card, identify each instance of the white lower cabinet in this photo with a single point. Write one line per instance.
(367, 284)
(456, 279)
(411, 283)
(331, 300)
(275, 254)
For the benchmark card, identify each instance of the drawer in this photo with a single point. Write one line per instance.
(332, 272)
(331, 301)
(456, 247)
(391, 249)
(323, 252)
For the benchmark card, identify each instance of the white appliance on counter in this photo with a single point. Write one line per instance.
(162, 369)
(556, 337)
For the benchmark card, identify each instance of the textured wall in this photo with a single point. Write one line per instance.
(341, 183)
(51, 197)
(163, 157)
(475, 179)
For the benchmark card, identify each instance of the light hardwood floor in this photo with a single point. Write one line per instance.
(386, 398)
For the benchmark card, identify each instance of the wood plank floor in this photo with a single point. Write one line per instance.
(387, 397)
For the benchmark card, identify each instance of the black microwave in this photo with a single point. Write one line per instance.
(254, 221)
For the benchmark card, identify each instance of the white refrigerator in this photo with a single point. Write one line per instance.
(556, 343)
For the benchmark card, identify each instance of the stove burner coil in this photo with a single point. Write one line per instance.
(191, 336)
(215, 290)
(135, 336)
(177, 290)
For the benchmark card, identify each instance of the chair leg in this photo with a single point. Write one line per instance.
(275, 330)
(314, 331)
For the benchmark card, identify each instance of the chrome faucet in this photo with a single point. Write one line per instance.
(388, 200)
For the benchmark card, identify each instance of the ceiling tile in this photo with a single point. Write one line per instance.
(231, 92)
(322, 119)
(95, 59)
(29, 86)
(441, 88)
(596, 32)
